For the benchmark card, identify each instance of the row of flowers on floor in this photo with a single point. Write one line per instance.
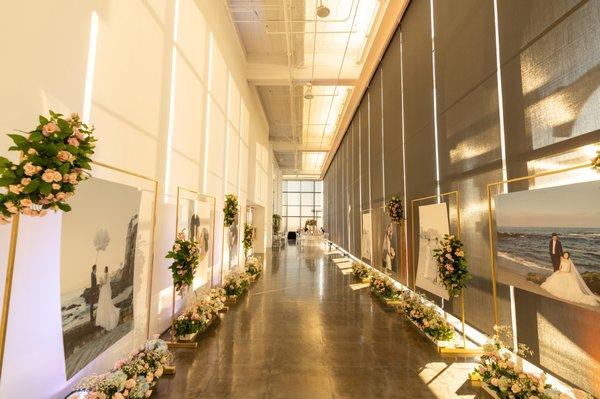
(415, 307)
(198, 316)
(499, 368)
(133, 377)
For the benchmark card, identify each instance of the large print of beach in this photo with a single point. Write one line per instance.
(525, 221)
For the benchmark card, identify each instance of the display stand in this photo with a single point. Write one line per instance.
(12, 249)
(464, 350)
(174, 342)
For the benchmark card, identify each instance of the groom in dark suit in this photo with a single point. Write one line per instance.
(94, 292)
(556, 251)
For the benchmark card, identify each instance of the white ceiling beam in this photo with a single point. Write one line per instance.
(279, 75)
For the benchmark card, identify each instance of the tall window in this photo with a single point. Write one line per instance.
(302, 200)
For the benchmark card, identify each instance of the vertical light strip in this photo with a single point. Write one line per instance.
(435, 121)
(513, 318)
(500, 97)
(208, 111)
(90, 68)
(169, 154)
(403, 142)
(382, 138)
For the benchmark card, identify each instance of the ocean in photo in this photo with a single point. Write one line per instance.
(525, 250)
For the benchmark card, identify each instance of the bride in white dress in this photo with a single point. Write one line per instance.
(107, 314)
(566, 283)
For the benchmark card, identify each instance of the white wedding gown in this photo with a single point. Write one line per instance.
(107, 314)
(567, 284)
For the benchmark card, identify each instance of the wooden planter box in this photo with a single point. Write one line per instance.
(188, 337)
(488, 390)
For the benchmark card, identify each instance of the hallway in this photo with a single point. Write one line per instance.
(302, 332)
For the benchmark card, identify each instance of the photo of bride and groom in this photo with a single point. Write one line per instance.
(98, 260)
(548, 248)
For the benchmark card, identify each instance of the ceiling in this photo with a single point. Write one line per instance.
(291, 51)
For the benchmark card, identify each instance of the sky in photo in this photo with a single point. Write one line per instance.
(574, 205)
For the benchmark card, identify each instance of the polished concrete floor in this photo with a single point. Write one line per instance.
(302, 332)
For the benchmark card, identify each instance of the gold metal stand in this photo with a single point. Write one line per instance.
(174, 343)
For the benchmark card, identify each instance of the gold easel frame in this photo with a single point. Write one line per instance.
(441, 196)
(492, 244)
(173, 343)
(12, 250)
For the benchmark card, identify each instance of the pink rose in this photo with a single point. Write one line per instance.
(48, 176)
(55, 186)
(516, 388)
(25, 181)
(11, 207)
(49, 128)
(26, 202)
(73, 141)
(78, 135)
(57, 176)
(28, 212)
(60, 196)
(29, 169)
(63, 156)
(15, 189)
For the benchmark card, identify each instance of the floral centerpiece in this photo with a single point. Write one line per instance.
(384, 288)
(254, 267)
(235, 284)
(185, 255)
(425, 317)
(55, 157)
(453, 271)
(360, 271)
(230, 210)
(395, 209)
(310, 223)
(133, 377)
(248, 238)
(276, 224)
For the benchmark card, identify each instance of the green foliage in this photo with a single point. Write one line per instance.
(453, 268)
(185, 255)
(248, 238)
(360, 271)
(230, 210)
(54, 159)
(276, 224)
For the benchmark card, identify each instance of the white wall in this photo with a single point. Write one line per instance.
(169, 99)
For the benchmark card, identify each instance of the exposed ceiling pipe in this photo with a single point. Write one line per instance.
(339, 74)
(289, 49)
(252, 8)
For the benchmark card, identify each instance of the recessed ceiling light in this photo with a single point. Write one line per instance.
(322, 11)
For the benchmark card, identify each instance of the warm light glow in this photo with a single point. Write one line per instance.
(312, 161)
(90, 69)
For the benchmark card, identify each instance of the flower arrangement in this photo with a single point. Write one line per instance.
(197, 317)
(276, 224)
(425, 317)
(453, 270)
(310, 223)
(360, 271)
(254, 267)
(54, 158)
(502, 373)
(248, 238)
(185, 254)
(384, 288)
(395, 209)
(235, 284)
(230, 210)
(133, 377)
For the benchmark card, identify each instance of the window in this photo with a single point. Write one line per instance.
(302, 200)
